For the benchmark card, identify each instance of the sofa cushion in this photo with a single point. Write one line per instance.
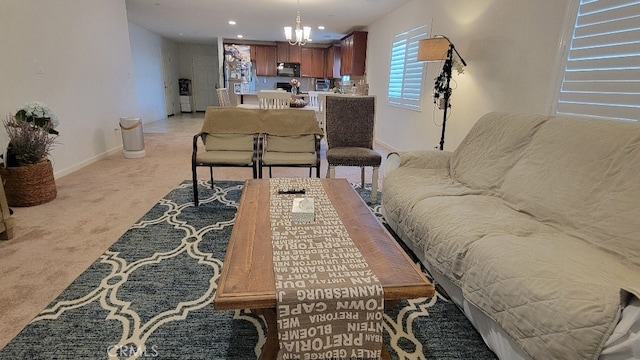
(558, 296)
(582, 175)
(445, 226)
(405, 187)
(492, 147)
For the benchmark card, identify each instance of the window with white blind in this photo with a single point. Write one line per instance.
(602, 71)
(406, 72)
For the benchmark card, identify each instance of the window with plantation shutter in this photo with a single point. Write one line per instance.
(602, 71)
(406, 72)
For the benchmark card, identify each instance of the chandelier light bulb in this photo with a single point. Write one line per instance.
(302, 34)
(307, 33)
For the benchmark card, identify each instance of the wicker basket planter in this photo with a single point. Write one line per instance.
(29, 185)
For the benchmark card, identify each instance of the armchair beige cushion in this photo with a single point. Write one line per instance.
(295, 150)
(229, 142)
(223, 150)
(228, 149)
(291, 144)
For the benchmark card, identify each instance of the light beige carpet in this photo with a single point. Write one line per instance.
(55, 242)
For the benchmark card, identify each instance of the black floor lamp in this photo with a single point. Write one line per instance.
(438, 49)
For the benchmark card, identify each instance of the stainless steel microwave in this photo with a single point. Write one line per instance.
(288, 69)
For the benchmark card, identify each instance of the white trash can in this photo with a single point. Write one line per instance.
(132, 137)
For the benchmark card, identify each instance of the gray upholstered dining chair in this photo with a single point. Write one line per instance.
(350, 122)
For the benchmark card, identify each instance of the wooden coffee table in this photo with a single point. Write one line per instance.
(247, 280)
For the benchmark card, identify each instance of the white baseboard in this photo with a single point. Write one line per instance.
(385, 145)
(78, 166)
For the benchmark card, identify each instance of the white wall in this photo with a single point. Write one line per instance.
(186, 53)
(146, 57)
(76, 57)
(73, 55)
(510, 47)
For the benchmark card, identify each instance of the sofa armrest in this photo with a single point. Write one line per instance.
(426, 159)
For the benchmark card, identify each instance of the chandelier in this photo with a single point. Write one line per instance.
(302, 33)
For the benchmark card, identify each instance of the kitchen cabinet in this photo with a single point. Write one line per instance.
(288, 53)
(353, 54)
(264, 59)
(332, 65)
(313, 61)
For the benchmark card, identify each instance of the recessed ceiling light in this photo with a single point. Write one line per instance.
(320, 27)
(231, 22)
(240, 36)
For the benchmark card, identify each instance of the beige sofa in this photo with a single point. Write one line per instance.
(532, 226)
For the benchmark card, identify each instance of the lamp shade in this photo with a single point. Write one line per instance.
(434, 49)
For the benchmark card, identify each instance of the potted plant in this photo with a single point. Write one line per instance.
(27, 172)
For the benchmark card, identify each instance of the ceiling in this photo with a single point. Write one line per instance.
(203, 21)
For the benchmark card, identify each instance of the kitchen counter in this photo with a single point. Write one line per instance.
(247, 98)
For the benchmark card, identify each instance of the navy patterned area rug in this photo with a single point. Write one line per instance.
(150, 296)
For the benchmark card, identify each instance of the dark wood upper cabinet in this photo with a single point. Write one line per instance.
(319, 60)
(313, 62)
(353, 54)
(332, 65)
(264, 59)
(346, 58)
(288, 53)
